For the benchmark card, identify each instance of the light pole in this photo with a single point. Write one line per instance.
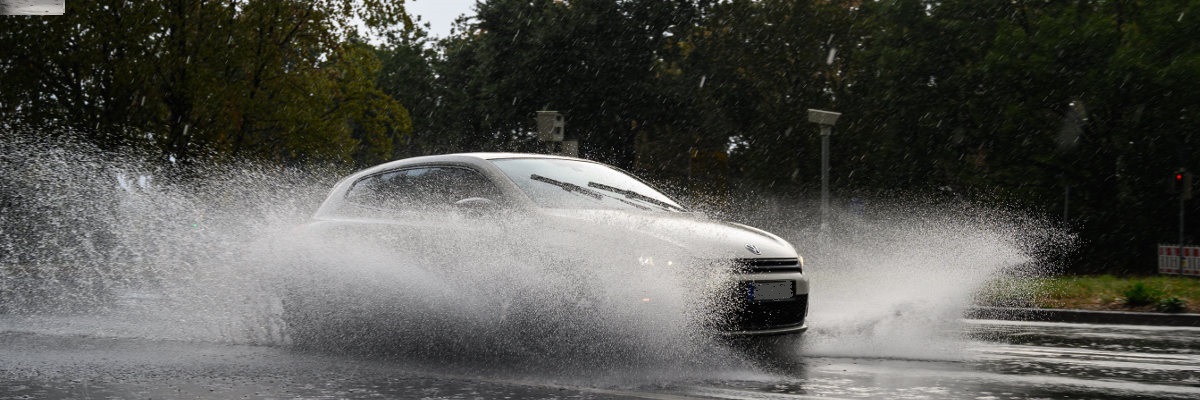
(825, 119)
(1183, 185)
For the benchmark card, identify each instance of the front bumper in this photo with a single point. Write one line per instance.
(740, 315)
(767, 332)
(774, 317)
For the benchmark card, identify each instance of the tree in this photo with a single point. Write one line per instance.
(279, 79)
(746, 72)
(593, 60)
(1014, 102)
(407, 75)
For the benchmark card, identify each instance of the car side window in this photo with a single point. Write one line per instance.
(424, 188)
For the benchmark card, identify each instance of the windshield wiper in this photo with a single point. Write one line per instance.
(568, 186)
(629, 194)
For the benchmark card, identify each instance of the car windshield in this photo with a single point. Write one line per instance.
(560, 183)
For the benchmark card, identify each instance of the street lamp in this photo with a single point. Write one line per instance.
(825, 119)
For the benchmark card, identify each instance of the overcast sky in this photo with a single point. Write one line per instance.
(440, 14)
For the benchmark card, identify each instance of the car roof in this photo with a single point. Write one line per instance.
(478, 159)
(467, 158)
(495, 156)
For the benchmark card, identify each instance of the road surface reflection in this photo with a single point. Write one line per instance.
(1002, 360)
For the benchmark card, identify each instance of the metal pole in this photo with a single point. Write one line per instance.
(825, 119)
(1181, 202)
(826, 130)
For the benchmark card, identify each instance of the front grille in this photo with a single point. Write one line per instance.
(768, 265)
(732, 310)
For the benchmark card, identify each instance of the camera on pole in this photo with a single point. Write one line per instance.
(551, 126)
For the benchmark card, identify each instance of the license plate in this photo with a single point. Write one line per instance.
(776, 290)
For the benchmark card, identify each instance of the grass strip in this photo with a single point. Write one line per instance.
(1108, 292)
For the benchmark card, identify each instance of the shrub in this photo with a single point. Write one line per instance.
(1139, 295)
(1171, 305)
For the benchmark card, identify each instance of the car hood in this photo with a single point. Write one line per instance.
(692, 234)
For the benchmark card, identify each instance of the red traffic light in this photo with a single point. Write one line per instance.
(1178, 177)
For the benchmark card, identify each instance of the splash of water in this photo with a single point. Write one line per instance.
(113, 244)
(88, 233)
(895, 281)
(98, 243)
(504, 291)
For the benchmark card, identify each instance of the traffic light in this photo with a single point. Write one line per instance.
(1181, 183)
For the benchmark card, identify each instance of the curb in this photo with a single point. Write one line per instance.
(1083, 316)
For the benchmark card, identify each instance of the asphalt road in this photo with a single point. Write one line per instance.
(1000, 360)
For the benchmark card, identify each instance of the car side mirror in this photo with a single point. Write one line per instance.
(477, 206)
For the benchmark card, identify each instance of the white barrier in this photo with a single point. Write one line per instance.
(1179, 260)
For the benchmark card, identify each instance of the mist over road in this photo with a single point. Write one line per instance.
(1003, 360)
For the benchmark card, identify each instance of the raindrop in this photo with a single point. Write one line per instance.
(832, 54)
(702, 79)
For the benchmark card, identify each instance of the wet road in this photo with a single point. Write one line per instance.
(1000, 360)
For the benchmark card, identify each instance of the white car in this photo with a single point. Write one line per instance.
(768, 294)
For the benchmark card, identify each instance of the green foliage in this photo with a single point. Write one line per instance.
(1139, 294)
(1171, 305)
(746, 74)
(595, 60)
(407, 74)
(275, 79)
(1112, 292)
